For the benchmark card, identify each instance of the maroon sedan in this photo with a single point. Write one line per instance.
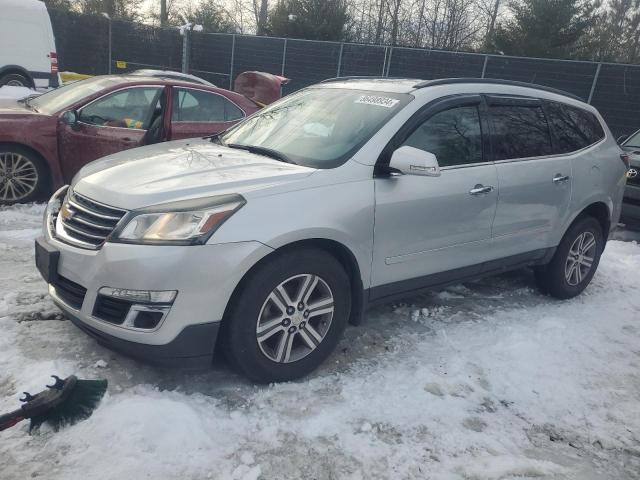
(45, 140)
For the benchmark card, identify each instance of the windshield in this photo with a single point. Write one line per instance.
(317, 127)
(62, 98)
(634, 140)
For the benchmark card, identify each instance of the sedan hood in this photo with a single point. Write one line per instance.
(180, 170)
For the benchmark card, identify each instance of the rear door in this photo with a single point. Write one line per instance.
(430, 230)
(114, 122)
(198, 112)
(535, 184)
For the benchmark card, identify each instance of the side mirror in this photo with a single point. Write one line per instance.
(413, 161)
(70, 117)
(621, 139)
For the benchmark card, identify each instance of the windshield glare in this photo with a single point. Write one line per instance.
(62, 98)
(319, 127)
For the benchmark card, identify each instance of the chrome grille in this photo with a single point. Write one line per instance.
(86, 223)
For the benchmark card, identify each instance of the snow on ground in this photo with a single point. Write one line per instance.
(486, 380)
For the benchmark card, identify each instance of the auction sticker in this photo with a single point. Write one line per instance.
(378, 101)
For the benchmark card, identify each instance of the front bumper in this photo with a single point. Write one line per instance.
(204, 276)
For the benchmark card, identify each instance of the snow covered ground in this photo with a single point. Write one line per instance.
(486, 380)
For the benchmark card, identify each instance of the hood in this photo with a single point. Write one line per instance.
(10, 106)
(180, 170)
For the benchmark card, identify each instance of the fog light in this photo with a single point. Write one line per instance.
(145, 317)
(140, 296)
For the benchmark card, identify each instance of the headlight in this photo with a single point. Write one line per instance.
(187, 222)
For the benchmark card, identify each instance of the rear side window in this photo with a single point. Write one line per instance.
(519, 131)
(573, 128)
(453, 136)
(200, 106)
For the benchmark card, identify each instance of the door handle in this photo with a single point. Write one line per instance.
(481, 190)
(560, 178)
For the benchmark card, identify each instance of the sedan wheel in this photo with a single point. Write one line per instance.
(18, 177)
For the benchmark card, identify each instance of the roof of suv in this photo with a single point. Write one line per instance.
(408, 85)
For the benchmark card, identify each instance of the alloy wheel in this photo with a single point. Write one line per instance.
(295, 318)
(18, 177)
(580, 259)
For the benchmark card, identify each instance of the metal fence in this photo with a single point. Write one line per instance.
(96, 45)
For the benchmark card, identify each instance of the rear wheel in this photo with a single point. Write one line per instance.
(15, 80)
(575, 261)
(23, 176)
(288, 317)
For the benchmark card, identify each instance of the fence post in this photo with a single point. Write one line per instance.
(233, 52)
(484, 65)
(389, 61)
(185, 49)
(340, 59)
(284, 56)
(106, 15)
(384, 63)
(595, 81)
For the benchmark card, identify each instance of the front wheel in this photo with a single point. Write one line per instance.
(575, 261)
(288, 316)
(23, 176)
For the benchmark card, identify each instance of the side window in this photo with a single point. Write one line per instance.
(128, 108)
(519, 131)
(454, 136)
(200, 106)
(574, 128)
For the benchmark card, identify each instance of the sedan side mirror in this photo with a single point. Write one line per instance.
(413, 161)
(70, 117)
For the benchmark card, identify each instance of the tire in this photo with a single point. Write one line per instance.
(260, 303)
(570, 271)
(15, 80)
(29, 183)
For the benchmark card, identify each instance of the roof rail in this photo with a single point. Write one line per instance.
(496, 81)
(362, 77)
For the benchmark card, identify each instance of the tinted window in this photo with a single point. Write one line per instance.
(573, 127)
(199, 106)
(128, 108)
(519, 132)
(453, 136)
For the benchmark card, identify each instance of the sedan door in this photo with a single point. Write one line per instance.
(431, 230)
(114, 122)
(198, 113)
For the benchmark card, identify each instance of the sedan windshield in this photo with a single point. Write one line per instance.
(634, 140)
(317, 127)
(62, 98)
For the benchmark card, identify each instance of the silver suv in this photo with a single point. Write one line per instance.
(265, 241)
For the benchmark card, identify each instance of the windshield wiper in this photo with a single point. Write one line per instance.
(267, 152)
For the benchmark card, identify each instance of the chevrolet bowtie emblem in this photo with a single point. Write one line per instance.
(65, 212)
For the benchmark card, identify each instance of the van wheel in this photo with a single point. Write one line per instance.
(288, 316)
(23, 176)
(575, 261)
(15, 80)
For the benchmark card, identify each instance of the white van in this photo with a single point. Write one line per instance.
(27, 47)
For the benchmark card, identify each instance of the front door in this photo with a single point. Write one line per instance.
(428, 230)
(535, 186)
(112, 123)
(198, 113)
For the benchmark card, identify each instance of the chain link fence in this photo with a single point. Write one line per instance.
(96, 45)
